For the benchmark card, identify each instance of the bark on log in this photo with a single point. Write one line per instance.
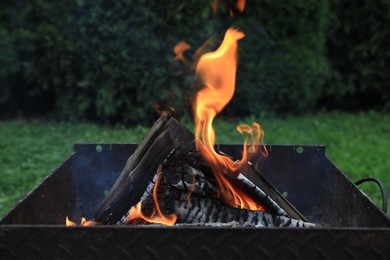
(274, 200)
(166, 135)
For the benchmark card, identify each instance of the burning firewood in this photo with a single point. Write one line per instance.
(206, 210)
(167, 178)
(192, 203)
(166, 134)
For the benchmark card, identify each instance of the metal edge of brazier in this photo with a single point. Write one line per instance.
(118, 242)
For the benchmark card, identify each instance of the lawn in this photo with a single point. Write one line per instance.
(357, 143)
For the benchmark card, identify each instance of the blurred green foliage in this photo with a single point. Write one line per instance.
(358, 51)
(112, 61)
(283, 66)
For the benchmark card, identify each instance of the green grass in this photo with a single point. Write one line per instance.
(357, 143)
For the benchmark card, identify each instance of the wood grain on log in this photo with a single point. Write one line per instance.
(207, 210)
(274, 200)
(166, 135)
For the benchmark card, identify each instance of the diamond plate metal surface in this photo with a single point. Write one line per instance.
(24, 242)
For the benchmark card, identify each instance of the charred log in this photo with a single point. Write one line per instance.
(267, 201)
(190, 179)
(200, 208)
(166, 135)
(266, 193)
(197, 209)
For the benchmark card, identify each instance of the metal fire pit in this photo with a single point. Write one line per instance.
(352, 226)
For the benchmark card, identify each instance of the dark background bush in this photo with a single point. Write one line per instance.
(112, 61)
(359, 54)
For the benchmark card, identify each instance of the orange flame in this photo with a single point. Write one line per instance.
(70, 223)
(240, 5)
(179, 50)
(83, 222)
(217, 71)
(157, 215)
(257, 134)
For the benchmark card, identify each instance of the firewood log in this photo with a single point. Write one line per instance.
(166, 135)
(190, 180)
(207, 210)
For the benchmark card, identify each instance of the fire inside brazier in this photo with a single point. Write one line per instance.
(170, 182)
(179, 196)
(348, 224)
